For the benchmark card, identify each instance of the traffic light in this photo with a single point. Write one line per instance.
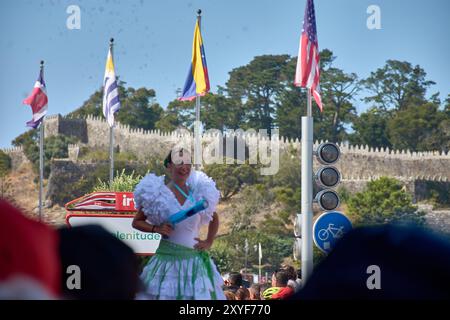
(327, 176)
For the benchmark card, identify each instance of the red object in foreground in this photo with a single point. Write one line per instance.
(103, 201)
(28, 248)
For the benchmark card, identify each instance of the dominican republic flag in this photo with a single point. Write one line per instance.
(111, 102)
(38, 101)
(307, 73)
(197, 81)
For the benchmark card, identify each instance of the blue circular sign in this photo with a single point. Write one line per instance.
(329, 228)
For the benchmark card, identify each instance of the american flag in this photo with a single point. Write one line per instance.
(38, 101)
(307, 73)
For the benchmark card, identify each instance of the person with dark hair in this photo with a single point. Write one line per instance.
(108, 268)
(255, 292)
(383, 262)
(292, 275)
(245, 282)
(229, 295)
(279, 289)
(181, 267)
(242, 294)
(234, 282)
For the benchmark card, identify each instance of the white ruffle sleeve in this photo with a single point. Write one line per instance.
(150, 196)
(204, 187)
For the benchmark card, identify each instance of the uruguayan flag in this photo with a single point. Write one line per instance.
(111, 102)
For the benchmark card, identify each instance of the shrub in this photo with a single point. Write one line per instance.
(383, 201)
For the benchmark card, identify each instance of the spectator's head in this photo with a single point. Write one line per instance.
(29, 259)
(290, 270)
(229, 295)
(254, 291)
(108, 267)
(411, 263)
(235, 279)
(242, 294)
(281, 279)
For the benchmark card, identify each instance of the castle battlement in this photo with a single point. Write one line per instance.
(357, 161)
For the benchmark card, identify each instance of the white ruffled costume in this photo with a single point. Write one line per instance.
(182, 273)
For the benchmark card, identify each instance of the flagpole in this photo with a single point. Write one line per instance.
(307, 192)
(111, 133)
(260, 257)
(41, 158)
(197, 134)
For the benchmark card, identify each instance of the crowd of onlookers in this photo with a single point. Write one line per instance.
(283, 284)
(36, 262)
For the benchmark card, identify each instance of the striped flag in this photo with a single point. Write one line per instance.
(307, 73)
(38, 101)
(197, 82)
(111, 103)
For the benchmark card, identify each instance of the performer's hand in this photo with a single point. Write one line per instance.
(203, 244)
(165, 229)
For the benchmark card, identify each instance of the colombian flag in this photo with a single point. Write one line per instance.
(197, 82)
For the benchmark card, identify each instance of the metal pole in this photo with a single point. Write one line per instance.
(41, 167)
(197, 135)
(246, 254)
(111, 155)
(307, 193)
(111, 133)
(41, 159)
(259, 261)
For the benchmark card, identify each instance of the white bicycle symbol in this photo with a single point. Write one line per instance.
(335, 232)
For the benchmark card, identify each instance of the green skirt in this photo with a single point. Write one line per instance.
(177, 272)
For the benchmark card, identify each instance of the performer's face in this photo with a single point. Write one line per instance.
(181, 164)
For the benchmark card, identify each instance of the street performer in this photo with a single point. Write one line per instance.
(181, 269)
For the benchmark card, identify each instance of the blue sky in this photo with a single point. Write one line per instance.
(153, 44)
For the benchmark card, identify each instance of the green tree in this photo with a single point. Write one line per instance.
(221, 112)
(384, 200)
(228, 251)
(54, 147)
(291, 104)
(418, 128)
(230, 177)
(396, 85)
(339, 89)
(25, 138)
(370, 128)
(257, 86)
(138, 107)
(179, 114)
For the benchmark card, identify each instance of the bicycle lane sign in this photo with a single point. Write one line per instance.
(328, 228)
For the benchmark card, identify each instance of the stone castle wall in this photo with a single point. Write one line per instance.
(17, 157)
(357, 163)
